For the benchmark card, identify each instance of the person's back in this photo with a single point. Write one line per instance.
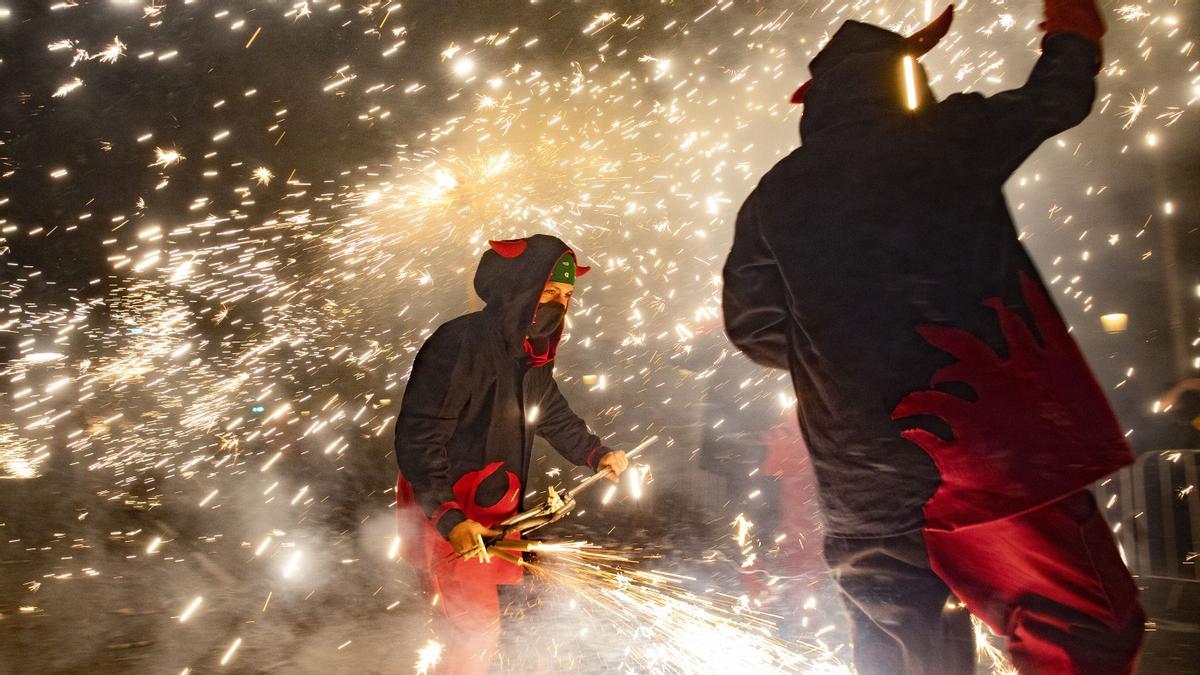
(937, 385)
(889, 219)
(882, 230)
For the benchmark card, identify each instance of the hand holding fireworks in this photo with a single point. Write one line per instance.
(467, 539)
(559, 505)
(613, 463)
(471, 539)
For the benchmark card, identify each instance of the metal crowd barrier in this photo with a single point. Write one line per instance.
(1154, 506)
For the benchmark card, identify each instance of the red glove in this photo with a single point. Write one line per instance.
(1074, 16)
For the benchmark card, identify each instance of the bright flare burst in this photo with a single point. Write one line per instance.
(428, 657)
(669, 629)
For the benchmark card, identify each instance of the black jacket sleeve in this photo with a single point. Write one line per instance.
(1001, 131)
(563, 429)
(753, 300)
(428, 417)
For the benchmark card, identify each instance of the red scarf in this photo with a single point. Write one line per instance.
(541, 358)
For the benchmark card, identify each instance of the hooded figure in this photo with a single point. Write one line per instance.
(481, 388)
(953, 423)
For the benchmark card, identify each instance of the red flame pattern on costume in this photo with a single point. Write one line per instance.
(1040, 426)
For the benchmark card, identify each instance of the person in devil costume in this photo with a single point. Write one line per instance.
(954, 425)
(482, 386)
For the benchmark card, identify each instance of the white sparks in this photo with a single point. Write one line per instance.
(229, 653)
(428, 657)
(190, 609)
(67, 88)
(166, 157)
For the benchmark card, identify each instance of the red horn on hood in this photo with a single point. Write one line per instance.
(927, 38)
(581, 270)
(509, 248)
(919, 43)
(798, 95)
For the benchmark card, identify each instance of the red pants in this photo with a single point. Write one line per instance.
(468, 624)
(1050, 581)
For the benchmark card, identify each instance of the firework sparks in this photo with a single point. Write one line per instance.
(228, 656)
(190, 609)
(67, 88)
(1134, 110)
(428, 657)
(670, 629)
(110, 54)
(985, 646)
(263, 175)
(166, 157)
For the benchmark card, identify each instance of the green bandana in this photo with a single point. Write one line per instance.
(564, 270)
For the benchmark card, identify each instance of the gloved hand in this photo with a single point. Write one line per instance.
(1074, 16)
(467, 536)
(614, 462)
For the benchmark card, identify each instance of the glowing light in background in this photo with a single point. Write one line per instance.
(464, 67)
(1115, 322)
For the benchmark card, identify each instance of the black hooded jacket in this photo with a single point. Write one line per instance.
(885, 219)
(473, 399)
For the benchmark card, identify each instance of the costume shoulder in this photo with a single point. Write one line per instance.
(960, 118)
(448, 343)
(452, 334)
(778, 175)
(963, 104)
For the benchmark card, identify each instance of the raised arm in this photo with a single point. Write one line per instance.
(1001, 131)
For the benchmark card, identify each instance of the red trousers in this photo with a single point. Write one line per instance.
(1050, 581)
(468, 602)
(468, 623)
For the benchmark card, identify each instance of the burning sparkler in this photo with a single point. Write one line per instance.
(671, 629)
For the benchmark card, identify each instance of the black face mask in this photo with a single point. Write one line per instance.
(548, 319)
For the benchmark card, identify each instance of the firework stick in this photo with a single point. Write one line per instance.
(530, 520)
(592, 479)
(505, 556)
(484, 556)
(514, 545)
